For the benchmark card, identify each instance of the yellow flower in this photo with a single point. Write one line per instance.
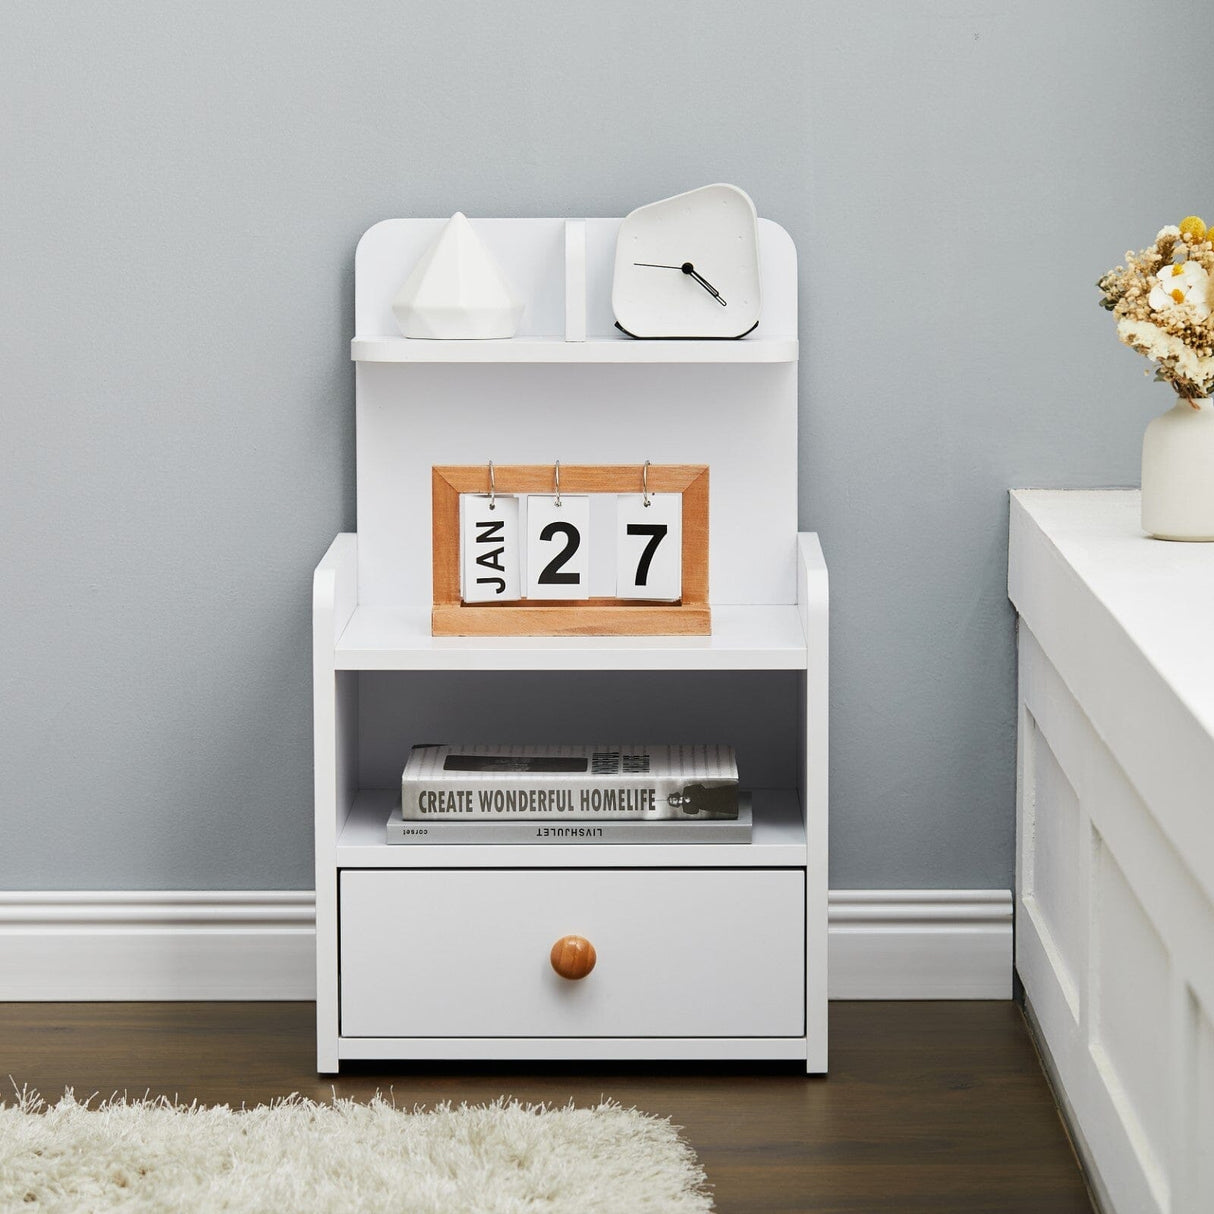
(1192, 227)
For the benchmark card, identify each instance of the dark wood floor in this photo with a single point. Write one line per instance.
(928, 1107)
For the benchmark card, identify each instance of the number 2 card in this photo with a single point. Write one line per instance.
(558, 547)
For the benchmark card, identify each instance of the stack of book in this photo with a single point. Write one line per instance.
(571, 794)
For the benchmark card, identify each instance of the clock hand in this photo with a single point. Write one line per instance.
(689, 270)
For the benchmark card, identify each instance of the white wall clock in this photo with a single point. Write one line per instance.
(688, 266)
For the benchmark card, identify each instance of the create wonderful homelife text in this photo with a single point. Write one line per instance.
(537, 800)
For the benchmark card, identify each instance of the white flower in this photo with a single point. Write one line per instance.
(1186, 282)
(1152, 341)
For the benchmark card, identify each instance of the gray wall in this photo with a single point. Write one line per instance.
(181, 192)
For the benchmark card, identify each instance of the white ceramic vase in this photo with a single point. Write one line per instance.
(457, 290)
(1178, 472)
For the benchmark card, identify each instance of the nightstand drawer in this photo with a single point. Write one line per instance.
(680, 953)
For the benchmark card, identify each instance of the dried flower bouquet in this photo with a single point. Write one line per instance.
(1163, 301)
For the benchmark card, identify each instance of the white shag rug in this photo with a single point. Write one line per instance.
(296, 1155)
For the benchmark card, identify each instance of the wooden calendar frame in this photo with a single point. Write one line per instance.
(690, 616)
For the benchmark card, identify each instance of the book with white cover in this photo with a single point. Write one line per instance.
(522, 830)
(570, 783)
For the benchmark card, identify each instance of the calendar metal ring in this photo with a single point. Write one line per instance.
(492, 488)
(557, 471)
(645, 483)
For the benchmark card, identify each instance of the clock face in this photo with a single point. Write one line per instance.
(688, 266)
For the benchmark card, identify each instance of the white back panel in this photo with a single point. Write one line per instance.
(739, 419)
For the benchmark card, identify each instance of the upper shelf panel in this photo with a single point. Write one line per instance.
(558, 350)
(567, 315)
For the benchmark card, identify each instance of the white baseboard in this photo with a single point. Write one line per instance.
(920, 944)
(134, 945)
(222, 944)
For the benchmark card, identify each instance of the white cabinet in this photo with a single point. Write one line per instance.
(1115, 846)
(705, 951)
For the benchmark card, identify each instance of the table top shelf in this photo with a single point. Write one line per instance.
(743, 638)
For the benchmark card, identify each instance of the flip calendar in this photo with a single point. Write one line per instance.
(570, 550)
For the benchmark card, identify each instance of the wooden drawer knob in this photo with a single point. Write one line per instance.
(573, 957)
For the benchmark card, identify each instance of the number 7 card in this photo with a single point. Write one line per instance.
(649, 546)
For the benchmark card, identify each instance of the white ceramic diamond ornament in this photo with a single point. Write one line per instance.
(457, 290)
